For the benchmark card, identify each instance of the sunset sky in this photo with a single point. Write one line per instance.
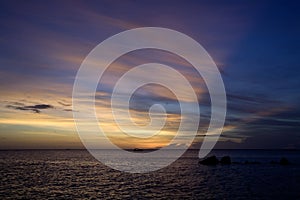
(254, 44)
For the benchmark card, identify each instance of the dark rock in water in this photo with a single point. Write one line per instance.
(137, 149)
(284, 161)
(226, 160)
(212, 160)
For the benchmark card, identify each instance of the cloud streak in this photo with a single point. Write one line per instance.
(35, 108)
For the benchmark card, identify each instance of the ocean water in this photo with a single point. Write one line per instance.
(75, 174)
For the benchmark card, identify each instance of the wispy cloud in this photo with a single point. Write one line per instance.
(35, 108)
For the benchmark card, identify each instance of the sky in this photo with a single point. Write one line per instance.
(255, 45)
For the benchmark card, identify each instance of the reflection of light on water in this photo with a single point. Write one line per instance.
(114, 158)
(75, 174)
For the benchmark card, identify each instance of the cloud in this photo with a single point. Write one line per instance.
(35, 108)
(68, 110)
(64, 104)
(270, 129)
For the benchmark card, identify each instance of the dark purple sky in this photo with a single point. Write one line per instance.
(254, 43)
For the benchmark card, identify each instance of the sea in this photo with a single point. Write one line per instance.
(75, 174)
